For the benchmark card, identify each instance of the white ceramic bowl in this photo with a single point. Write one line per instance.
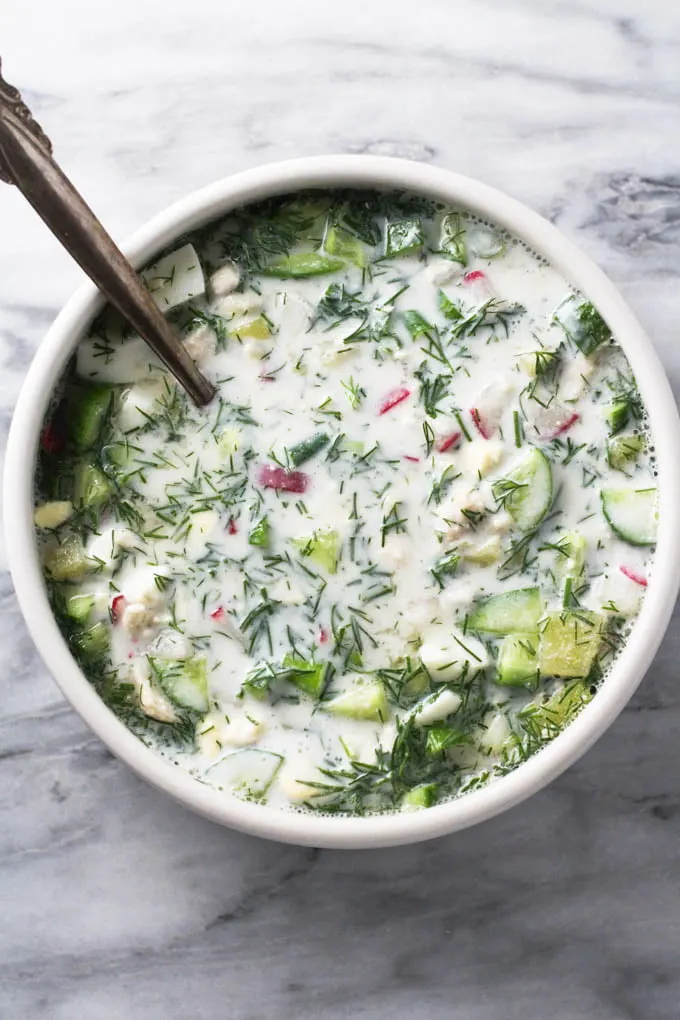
(628, 670)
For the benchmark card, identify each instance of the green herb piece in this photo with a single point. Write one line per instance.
(416, 324)
(445, 566)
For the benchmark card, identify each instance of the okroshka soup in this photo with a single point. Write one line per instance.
(400, 550)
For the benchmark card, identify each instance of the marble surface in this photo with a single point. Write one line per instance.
(114, 901)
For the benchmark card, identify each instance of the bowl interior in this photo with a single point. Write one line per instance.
(306, 828)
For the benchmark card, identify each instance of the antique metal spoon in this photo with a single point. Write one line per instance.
(26, 161)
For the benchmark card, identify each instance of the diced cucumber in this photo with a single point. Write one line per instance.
(511, 612)
(365, 700)
(176, 278)
(549, 718)
(88, 413)
(518, 661)
(310, 677)
(79, 607)
(260, 533)
(228, 441)
(441, 738)
(623, 451)
(583, 324)
(308, 448)
(92, 642)
(571, 558)
(248, 774)
(344, 245)
(68, 561)
(185, 681)
(569, 642)
(484, 554)
(52, 515)
(252, 329)
(422, 796)
(323, 547)
(302, 264)
(92, 488)
(527, 490)
(403, 237)
(485, 242)
(631, 514)
(617, 414)
(452, 239)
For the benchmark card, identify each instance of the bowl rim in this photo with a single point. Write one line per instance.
(305, 828)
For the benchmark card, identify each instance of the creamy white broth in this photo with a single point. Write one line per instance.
(298, 569)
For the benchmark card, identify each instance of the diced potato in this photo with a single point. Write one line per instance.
(225, 280)
(52, 515)
(176, 278)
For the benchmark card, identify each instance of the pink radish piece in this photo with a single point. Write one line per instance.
(634, 576)
(281, 480)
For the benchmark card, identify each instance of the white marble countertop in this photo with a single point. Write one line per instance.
(115, 902)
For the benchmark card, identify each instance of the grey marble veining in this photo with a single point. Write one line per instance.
(113, 900)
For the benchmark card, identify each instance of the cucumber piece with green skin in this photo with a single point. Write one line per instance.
(248, 773)
(623, 451)
(303, 264)
(185, 681)
(583, 324)
(511, 612)
(323, 547)
(571, 558)
(526, 492)
(362, 701)
(344, 245)
(422, 796)
(88, 414)
(260, 533)
(68, 561)
(92, 642)
(252, 329)
(617, 415)
(403, 237)
(631, 514)
(518, 661)
(92, 488)
(308, 448)
(569, 643)
(309, 677)
(79, 607)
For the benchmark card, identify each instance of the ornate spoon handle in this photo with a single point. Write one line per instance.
(26, 161)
